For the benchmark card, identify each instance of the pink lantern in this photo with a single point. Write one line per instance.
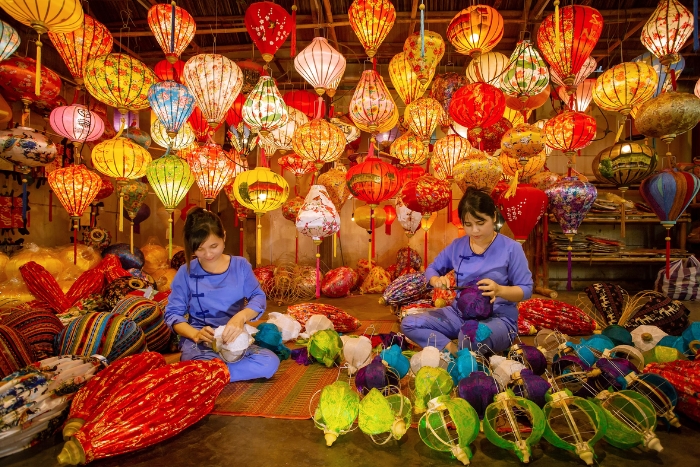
(581, 97)
(76, 123)
(371, 105)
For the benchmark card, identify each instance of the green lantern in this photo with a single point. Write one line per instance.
(631, 420)
(430, 383)
(337, 410)
(450, 425)
(325, 346)
(384, 417)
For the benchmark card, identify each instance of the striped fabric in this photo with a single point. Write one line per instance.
(149, 316)
(38, 326)
(15, 351)
(108, 334)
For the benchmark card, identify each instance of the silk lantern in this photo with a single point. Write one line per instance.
(318, 218)
(390, 212)
(589, 66)
(568, 132)
(17, 77)
(422, 117)
(523, 210)
(487, 68)
(386, 138)
(405, 80)
(668, 115)
(166, 71)
(133, 193)
(426, 195)
(520, 168)
(264, 109)
(9, 40)
(581, 98)
(475, 30)
(296, 164)
(479, 170)
(242, 139)
(523, 141)
(268, 25)
(409, 149)
(447, 152)
(172, 104)
(319, 141)
(336, 185)
(283, 136)
(351, 132)
(424, 50)
(90, 40)
(183, 138)
(320, 64)
(489, 139)
(570, 200)
(667, 82)
(443, 88)
(567, 38)
(261, 190)
(527, 75)
(44, 16)
(173, 27)
(371, 20)
(371, 104)
(212, 168)
(477, 105)
(409, 220)
(304, 101)
(410, 172)
(76, 123)
(234, 115)
(667, 29)
(214, 81)
(171, 179)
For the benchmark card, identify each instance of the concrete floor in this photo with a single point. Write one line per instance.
(253, 442)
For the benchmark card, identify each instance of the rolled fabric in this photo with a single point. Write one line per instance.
(90, 282)
(43, 286)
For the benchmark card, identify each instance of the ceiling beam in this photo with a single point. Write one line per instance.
(414, 11)
(129, 51)
(526, 14)
(619, 42)
(538, 9)
(329, 17)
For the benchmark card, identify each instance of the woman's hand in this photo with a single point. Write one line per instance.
(489, 288)
(234, 327)
(440, 282)
(206, 334)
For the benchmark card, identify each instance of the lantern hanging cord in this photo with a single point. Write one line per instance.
(696, 40)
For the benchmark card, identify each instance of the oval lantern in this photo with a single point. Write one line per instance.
(624, 86)
(478, 170)
(527, 75)
(443, 88)
(76, 123)
(422, 117)
(173, 27)
(488, 68)
(214, 81)
(409, 220)
(184, 137)
(667, 30)
(212, 168)
(523, 210)
(9, 40)
(668, 115)
(477, 106)
(475, 30)
(568, 132)
(426, 195)
(371, 20)
(581, 98)
(18, 75)
(666, 73)
(319, 142)
(172, 103)
(405, 80)
(409, 149)
(320, 65)
(264, 109)
(424, 50)
(268, 25)
(624, 164)
(297, 165)
(448, 151)
(489, 139)
(371, 104)
(283, 136)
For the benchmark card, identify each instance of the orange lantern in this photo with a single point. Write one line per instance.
(296, 165)
(409, 173)
(201, 127)
(624, 86)
(426, 195)
(422, 117)
(477, 106)
(319, 142)
(212, 168)
(448, 151)
(173, 28)
(371, 104)
(371, 20)
(409, 149)
(479, 170)
(390, 212)
(475, 30)
(568, 132)
(525, 104)
(166, 71)
(666, 31)
(405, 80)
(588, 67)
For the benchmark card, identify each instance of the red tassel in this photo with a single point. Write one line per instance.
(425, 255)
(50, 206)
(318, 272)
(374, 63)
(240, 241)
(330, 113)
(668, 252)
(319, 108)
(371, 220)
(235, 221)
(387, 229)
(263, 159)
(673, 79)
(370, 150)
(293, 48)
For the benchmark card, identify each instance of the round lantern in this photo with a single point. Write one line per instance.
(444, 86)
(448, 151)
(422, 116)
(119, 81)
(664, 72)
(581, 97)
(173, 27)
(261, 190)
(166, 71)
(214, 81)
(283, 136)
(77, 47)
(212, 168)
(268, 25)
(371, 20)
(568, 132)
(426, 195)
(523, 210)
(479, 170)
(566, 42)
(668, 115)
(371, 104)
(264, 109)
(364, 216)
(409, 173)
(545, 179)
(18, 75)
(523, 141)
(320, 64)
(424, 50)
(475, 30)
(624, 86)
(624, 164)
(405, 80)
(319, 141)
(305, 101)
(409, 149)
(477, 105)
(298, 166)
(488, 68)
(667, 30)
(527, 75)
(26, 148)
(489, 139)
(76, 123)
(518, 168)
(172, 104)
(525, 104)
(185, 136)
(9, 40)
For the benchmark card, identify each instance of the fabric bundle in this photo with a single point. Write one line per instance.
(38, 326)
(376, 281)
(149, 316)
(407, 257)
(120, 288)
(15, 351)
(684, 375)
(342, 321)
(553, 314)
(338, 282)
(471, 304)
(405, 289)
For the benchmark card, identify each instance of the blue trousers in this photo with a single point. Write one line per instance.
(256, 363)
(439, 327)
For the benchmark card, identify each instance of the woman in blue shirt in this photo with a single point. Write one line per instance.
(216, 290)
(498, 266)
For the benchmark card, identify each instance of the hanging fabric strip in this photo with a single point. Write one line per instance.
(37, 85)
(425, 251)
(422, 30)
(258, 243)
(556, 26)
(293, 48)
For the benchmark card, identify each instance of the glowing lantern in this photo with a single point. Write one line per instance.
(371, 20)
(523, 141)
(119, 81)
(320, 64)
(297, 165)
(173, 28)
(264, 109)
(523, 210)
(351, 132)
(624, 86)
(409, 220)
(525, 104)
(268, 25)
(304, 101)
(424, 53)
(166, 71)
(184, 137)
(336, 185)
(410, 172)
(405, 80)
(44, 16)
(515, 117)
(488, 68)
(588, 67)
(668, 115)
(200, 126)
(448, 151)
(386, 138)
(479, 170)
(475, 30)
(371, 104)
(17, 75)
(527, 74)
(242, 139)
(76, 123)
(319, 141)
(390, 212)
(214, 81)
(133, 193)
(261, 190)
(444, 86)
(581, 98)
(409, 149)
(489, 139)
(212, 168)
(426, 195)
(282, 137)
(567, 41)
(234, 115)
(568, 132)
(422, 116)
(171, 179)
(9, 40)
(172, 103)
(667, 29)
(77, 47)
(477, 105)
(518, 168)
(666, 83)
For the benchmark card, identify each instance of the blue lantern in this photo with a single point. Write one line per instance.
(173, 103)
(9, 40)
(661, 70)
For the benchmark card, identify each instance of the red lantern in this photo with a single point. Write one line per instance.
(390, 211)
(477, 106)
(268, 25)
(570, 131)
(166, 71)
(200, 125)
(523, 210)
(296, 165)
(304, 101)
(409, 173)
(489, 140)
(426, 195)
(234, 116)
(18, 76)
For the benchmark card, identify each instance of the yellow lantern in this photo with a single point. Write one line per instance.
(184, 137)
(422, 117)
(212, 168)
(319, 141)
(667, 29)
(405, 80)
(371, 20)
(363, 217)
(262, 191)
(624, 86)
(388, 125)
(475, 30)
(515, 117)
(479, 170)
(409, 149)
(424, 53)
(488, 68)
(447, 152)
(371, 104)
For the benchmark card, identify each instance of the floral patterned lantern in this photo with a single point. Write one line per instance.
(444, 86)
(171, 179)
(479, 170)
(283, 136)
(386, 138)
(172, 103)
(305, 101)
(519, 168)
(527, 74)
(212, 168)
(422, 116)
(320, 64)
(581, 98)
(318, 218)
(523, 141)
(667, 82)
(409, 173)
(567, 39)
(319, 141)
(405, 80)
(264, 109)
(173, 27)
(371, 20)
(268, 25)
(589, 66)
(77, 47)
(76, 123)
(488, 68)
(133, 193)
(448, 151)
(523, 210)
(410, 220)
(667, 30)
(371, 104)
(252, 72)
(9, 40)
(297, 165)
(184, 137)
(166, 71)
(568, 132)
(200, 126)
(489, 139)
(409, 149)
(477, 106)
(424, 50)
(570, 200)
(261, 190)
(214, 81)
(475, 30)
(17, 76)
(351, 132)
(624, 86)
(426, 195)
(336, 185)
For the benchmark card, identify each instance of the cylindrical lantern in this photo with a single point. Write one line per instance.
(371, 104)
(320, 64)
(173, 27)
(119, 81)
(264, 109)
(667, 30)
(424, 50)
(527, 75)
(409, 149)
(319, 141)
(214, 81)
(371, 20)
(212, 168)
(475, 30)
(405, 80)
(422, 117)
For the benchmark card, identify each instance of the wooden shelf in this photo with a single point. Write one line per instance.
(613, 259)
(629, 219)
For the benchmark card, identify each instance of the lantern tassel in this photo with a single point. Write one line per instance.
(293, 48)
(512, 186)
(668, 251)
(370, 150)
(25, 201)
(696, 41)
(50, 205)
(449, 210)
(335, 244)
(674, 84)
(172, 27)
(619, 131)
(318, 268)
(119, 213)
(122, 125)
(556, 25)
(425, 248)
(240, 241)
(387, 229)
(75, 242)
(37, 84)
(319, 108)
(131, 239)
(371, 226)
(568, 269)
(171, 220)
(258, 242)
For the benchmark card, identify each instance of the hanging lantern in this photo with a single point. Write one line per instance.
(371, 20)
(200, 126)
(297, 165)
(386, 138)
(264, 109)
(568, 132)
(251, 75)
(624, 164)
(567, 39)
(589, 66)
(667, 30)
(173, 27)
(304, 101)
(171, 179)
(477, 106)
(319, 141)
(17, 77)
(667, 116)
(475, 30)
(582, 96)
(212, 168)
(261, 190)
(268, 25)
(9, 40)
(371, 104)
(172, 103)
(76, 123)
(525, 105)
(214, 81)
(184, 137)
(26, 147)
(424, 50)
(242, 138)
(523, 141)
(409, 149)
(448, 151)
(426, 195)
(234, 115)
(410, 220)
(320, 64)
(283, 136)
(422, 116)
(489, 139)
(351, 132)
(133, 193)
(390, 212)
(667, 82)
(478, 170)
(405, 80)
(336, 186)
(515, 117)
(444, 86)
(519, 168)
(527, 75)
(624, 86)
(488, 68)
(410, 172)
(90, 40)
(166, 71)
(570, 200)
(523, 210)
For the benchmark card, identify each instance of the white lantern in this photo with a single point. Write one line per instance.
(320, 65)
(357, 352)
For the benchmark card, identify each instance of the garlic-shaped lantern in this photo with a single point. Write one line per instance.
(450, 425)
(430, 383)
(384, 417)
(357, 352)
(337, 410)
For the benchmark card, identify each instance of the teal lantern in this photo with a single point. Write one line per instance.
(337, 410)
(173, 103)
(450, 425)
(9, 41)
